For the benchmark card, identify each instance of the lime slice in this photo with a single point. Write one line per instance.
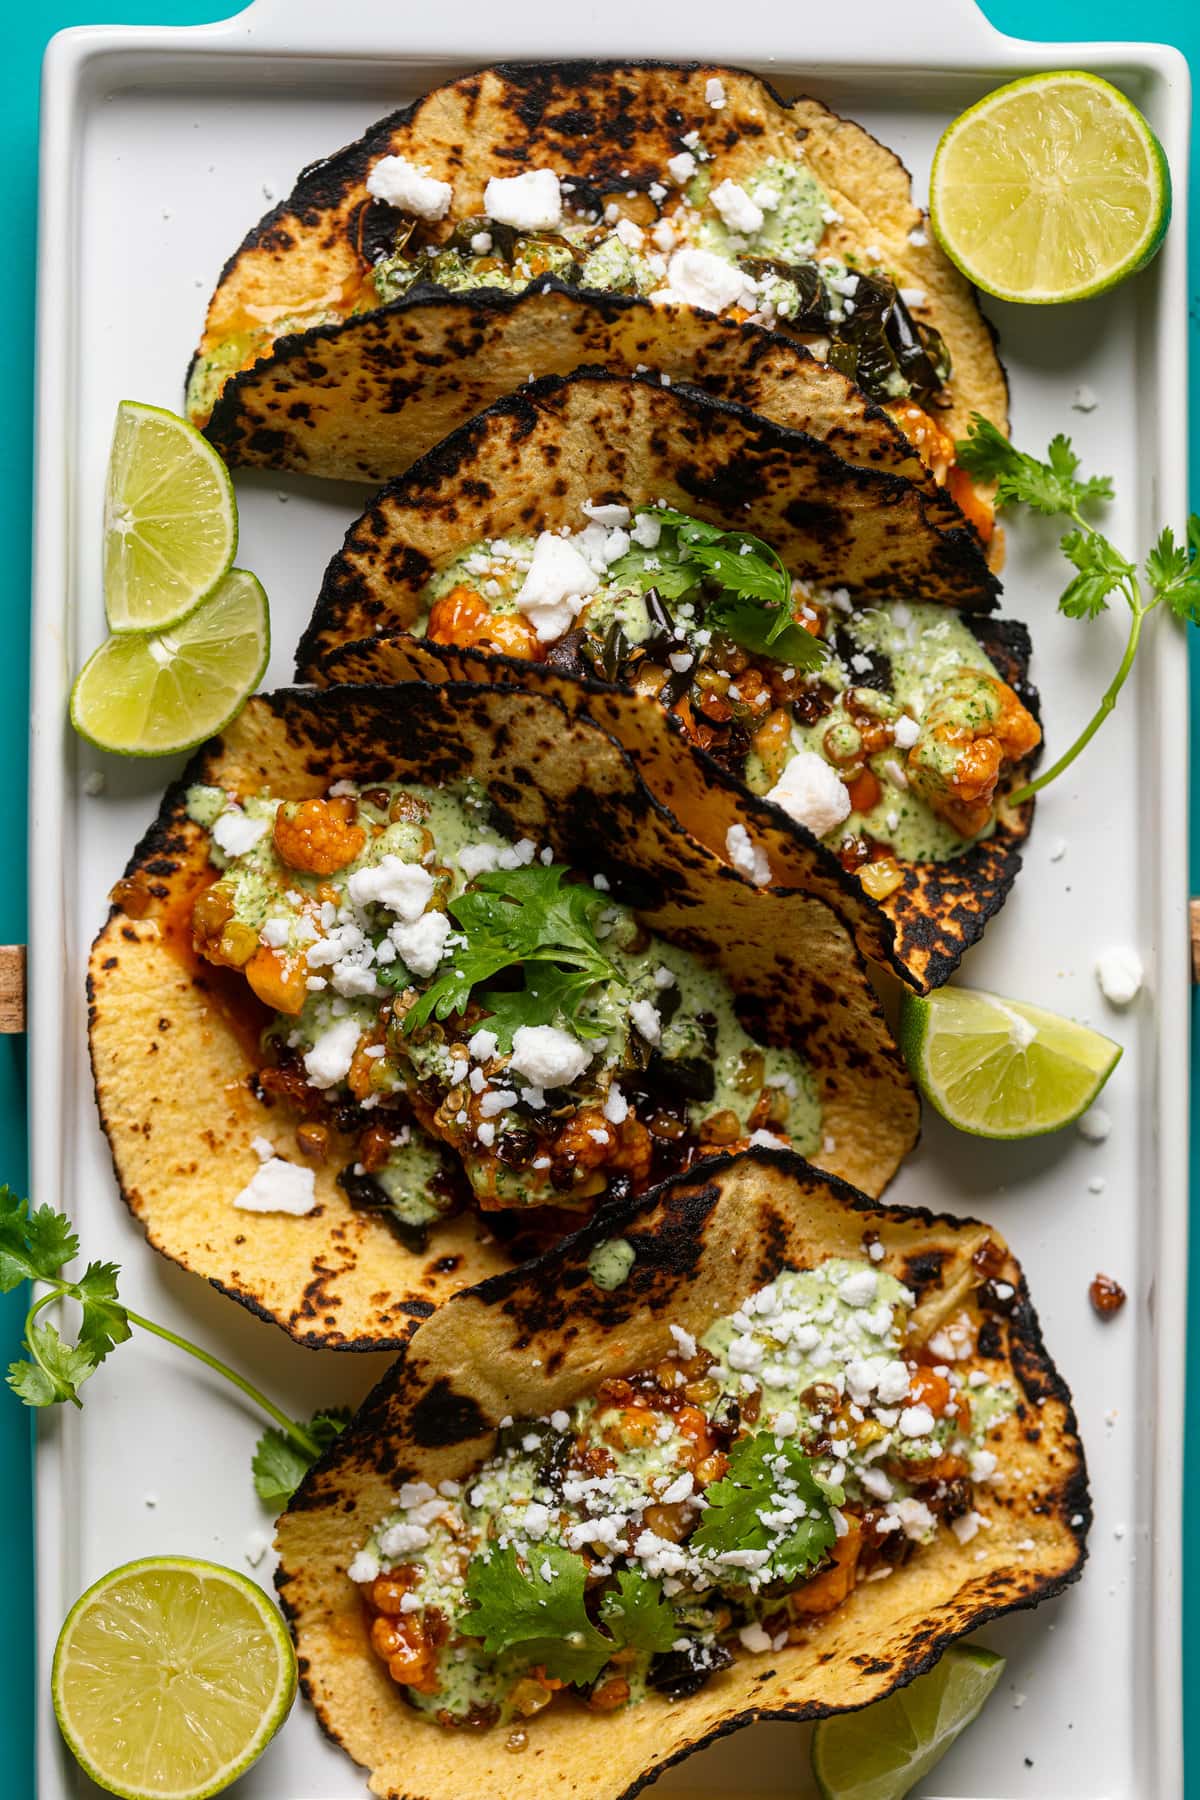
(171, 1677)
(1052, 188)
(148, 694)
(170, 519)
(1001, 1068)
(882, 1752)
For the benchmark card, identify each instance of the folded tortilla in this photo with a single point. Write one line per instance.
(545, 1334)
(531, 462)
(174, 1049)
(303, 382)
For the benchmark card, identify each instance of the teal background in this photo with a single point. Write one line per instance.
(26, 32)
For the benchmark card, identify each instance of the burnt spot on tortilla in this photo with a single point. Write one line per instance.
(443, 1417)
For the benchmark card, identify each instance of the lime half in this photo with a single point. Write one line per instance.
(1052, 188)
(882, 1752)
(147, 694)
(1001, 1068)
(170, 519)
(170, 1677)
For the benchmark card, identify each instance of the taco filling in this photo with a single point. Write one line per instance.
(886, 731)
(485, 1024)
(708, 1508)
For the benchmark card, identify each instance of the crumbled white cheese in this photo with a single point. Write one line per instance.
(646, 1020)
(646, 531)
(481, 243)
(275, 932)
(611, 514)
(477, 859)
(496, 1101)
(1095, 1125)
(421, 944)
(714, 92)
(547, 1056)
(685, 1343)
(400, 183)
(403, 888)
(906, 732)
(531, 201)
(553, 591)
(328, 1062)
(629, 234)
(916, 1422)
(234, 833)
(616, 1107)
(279, 1187)
(736, 208)
(754, 1638)
(364, 1567)
(482, 1046)
(809, 792)
(682, 167)
(1120, 974)
(747, 857)
(702, 278)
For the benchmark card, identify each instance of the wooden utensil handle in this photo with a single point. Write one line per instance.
(12, 986)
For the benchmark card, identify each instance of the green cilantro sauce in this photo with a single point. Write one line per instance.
(920, 648)
(826, 1422)
(610, 1262)
(647, 1032)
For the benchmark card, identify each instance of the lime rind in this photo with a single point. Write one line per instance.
(881, 1751)
(170, 520)
(135, 684)
(1000, 1068)
(1157, 185)
(136, 1604)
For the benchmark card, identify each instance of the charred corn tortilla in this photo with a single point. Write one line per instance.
(172, 1059)
(362, 394)
(529, 465)
(542, 1336)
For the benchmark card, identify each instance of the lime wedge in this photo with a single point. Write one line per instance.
(170, 519)
(147, 694)
(171, 1677)
(1001, 1068)
(1052, 188)
(882, 1752)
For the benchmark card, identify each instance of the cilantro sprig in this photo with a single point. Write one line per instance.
(533, 1607)
(528, 918)
(769, 1502)
(752, 601)
(36, 1245)
(1170, 575)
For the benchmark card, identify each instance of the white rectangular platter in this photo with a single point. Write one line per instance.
(160, 148)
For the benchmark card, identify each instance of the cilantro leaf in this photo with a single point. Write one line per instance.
(57, 1372)
(1173, 572)
(637, 1614)
(768, 1479)
(279, 1465)
(548, 993)
(1049, 487)
(515, 917)
(775, 635)
(105, 1323)
(1101, 569)
(33, 1245)
(647, 569)
(543, 1621)
(754, 606)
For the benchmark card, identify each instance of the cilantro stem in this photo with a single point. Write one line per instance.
(301, 1438)
(59, 1288)
(1107, 703)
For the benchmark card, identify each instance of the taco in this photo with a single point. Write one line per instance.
(401, 981)
(530, 218)
(715, 561)
(752, 1448)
